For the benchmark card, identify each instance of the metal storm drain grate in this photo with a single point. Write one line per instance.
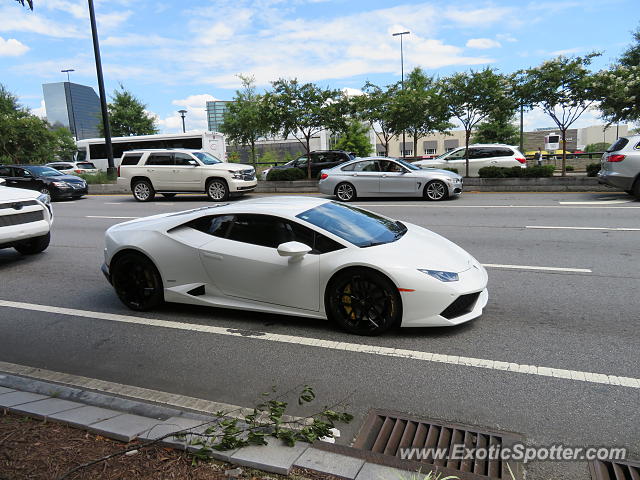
(609, 470)
(397, 440)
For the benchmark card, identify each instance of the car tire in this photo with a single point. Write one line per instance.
(143, 190)
(636, 189)
(217, 190)
(436, 190)
(34, 245)
(137, 281)
(345, 192)
(378, 306)
(168, 195)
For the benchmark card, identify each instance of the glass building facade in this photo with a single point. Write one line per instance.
(74, 106)
(215, 114)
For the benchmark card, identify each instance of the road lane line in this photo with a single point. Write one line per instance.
(565, 207)
(105, 216)
(531, 267)
(596, 202)
(612, 229)
(574, 375)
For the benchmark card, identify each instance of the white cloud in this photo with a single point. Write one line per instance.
(110, 21)
(195, 118)
(482, 43)
(40, 111)
(17, 20)
(566, 51)
(12, 48)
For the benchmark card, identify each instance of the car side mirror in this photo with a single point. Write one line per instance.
(293, 249)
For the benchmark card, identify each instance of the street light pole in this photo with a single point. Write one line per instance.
(111, 170)
(73, 112)
(182, 112)
(401, 34)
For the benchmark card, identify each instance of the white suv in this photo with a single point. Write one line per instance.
(486, 155)
(25, 219)
(171, 171)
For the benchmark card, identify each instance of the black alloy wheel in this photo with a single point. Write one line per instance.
(364, 302)
(137, 282)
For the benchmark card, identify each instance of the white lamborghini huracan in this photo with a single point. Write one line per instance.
(299, 256)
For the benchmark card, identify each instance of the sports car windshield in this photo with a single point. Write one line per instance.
(362, 228)
(206, 158)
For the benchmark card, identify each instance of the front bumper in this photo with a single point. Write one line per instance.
(242, 185)
(70, 192)
(105, 271)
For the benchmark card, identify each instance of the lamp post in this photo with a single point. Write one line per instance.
(401, 34)
(111, 170)
(182, 112)
(73, 113)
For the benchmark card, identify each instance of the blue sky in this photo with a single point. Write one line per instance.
(175, 55)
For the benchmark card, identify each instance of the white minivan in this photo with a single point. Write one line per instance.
(480, 155)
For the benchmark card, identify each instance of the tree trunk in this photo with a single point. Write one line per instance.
(415, 143)
(308, 147)
(564, 152)
(253, 155)
(467, 137)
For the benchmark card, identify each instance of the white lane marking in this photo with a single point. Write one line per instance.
(105, 216)
(114, 203)
(596, 202)
(613, 229)
(366, 205)
(531, 267)
(575, 375)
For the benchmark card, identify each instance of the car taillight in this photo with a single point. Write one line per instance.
(615, 158)
(78, 171)
(521, 160)
(323, 176)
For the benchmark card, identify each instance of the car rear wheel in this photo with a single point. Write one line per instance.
(636, 189)
(345, 192)
(363, 302)
(137, 282)
(34, 245)
(217, 190)
(435, 190)
(143, 191)
(168, 195)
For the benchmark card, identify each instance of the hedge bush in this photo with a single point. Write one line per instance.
(569, 168)
(517, 172)
(593, 169)
(285, 174)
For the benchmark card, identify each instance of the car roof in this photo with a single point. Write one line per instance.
(281, 205)
(143, 150)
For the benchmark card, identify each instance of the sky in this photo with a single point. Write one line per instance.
(177, 55)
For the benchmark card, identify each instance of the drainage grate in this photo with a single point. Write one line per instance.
(387, 435)
(609, 470)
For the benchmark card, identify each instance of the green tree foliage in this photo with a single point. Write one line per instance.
(419, 108)
(475, 96)
(372, 107)
(619, 87)
(26, 138)
(596, 147)
(28, 2)
(564, 88)
(127, 116)
(303, 110)
(497, 129)
(355, 139)
(245, 119)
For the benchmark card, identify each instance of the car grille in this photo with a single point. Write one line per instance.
(20, 218)
(18, 205)
(249, 174)
(462, 305)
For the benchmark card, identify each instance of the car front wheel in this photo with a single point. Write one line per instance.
(363, 302)
(34, 245)
(137, 282)
(217, 190)
(345, 192)
(435, 190)
(143, 191)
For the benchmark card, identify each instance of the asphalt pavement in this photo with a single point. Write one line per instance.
(563, 295)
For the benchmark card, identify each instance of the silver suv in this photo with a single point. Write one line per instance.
(620, 165)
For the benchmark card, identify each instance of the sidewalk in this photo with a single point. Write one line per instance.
(128, 420)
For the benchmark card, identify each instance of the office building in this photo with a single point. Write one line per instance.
(74, 106)
(215, 114)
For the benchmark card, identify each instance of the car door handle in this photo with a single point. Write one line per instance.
(215, 256)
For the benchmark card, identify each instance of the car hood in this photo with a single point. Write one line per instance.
(9, 194)
(422, 248)
(235, 167)
(63, 178)
(443, 173)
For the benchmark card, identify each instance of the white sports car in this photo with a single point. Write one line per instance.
(308, 257)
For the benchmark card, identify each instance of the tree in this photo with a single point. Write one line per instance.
(26, 138)
(29, 3)
(564, 88)
(245, 120)
(127, 116)
(476, 96)
(419, 108)
(303, 110)
(355, 139)
(372, 107)
(619, 87)
(596, 147)
(499, 128)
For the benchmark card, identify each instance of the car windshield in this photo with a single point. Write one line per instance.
(410, 166)
(206, 158)
(359, 227)
(86, 165)
(45, 171)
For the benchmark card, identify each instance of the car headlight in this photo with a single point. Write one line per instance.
(440, 275)
(236, 175)
(44, 198)
(60, 184)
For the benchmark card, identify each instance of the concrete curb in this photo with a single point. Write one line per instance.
(126, 420)
(573, 183)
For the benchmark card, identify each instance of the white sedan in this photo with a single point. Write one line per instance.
(307, 257)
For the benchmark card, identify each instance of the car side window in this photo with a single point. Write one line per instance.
(389, 166)
(182, 159)
(159, 159)
(348, 168)
(457, 155)
(263, 230)
(301, 162)
(478, 153)
(503, 152)
(366, 166)
(218, 225)
(21, 172)
(131, 159)
(5, 171)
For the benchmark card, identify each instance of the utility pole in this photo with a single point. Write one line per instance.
(401, 34)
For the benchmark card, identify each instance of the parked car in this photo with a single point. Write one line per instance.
(172, 171)
(490, 155)
(302, 256)
(620, 165)
(320, 160)
(74, 167)
(45, 180)
(25, 219)
(388, 177)
(265, 172)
